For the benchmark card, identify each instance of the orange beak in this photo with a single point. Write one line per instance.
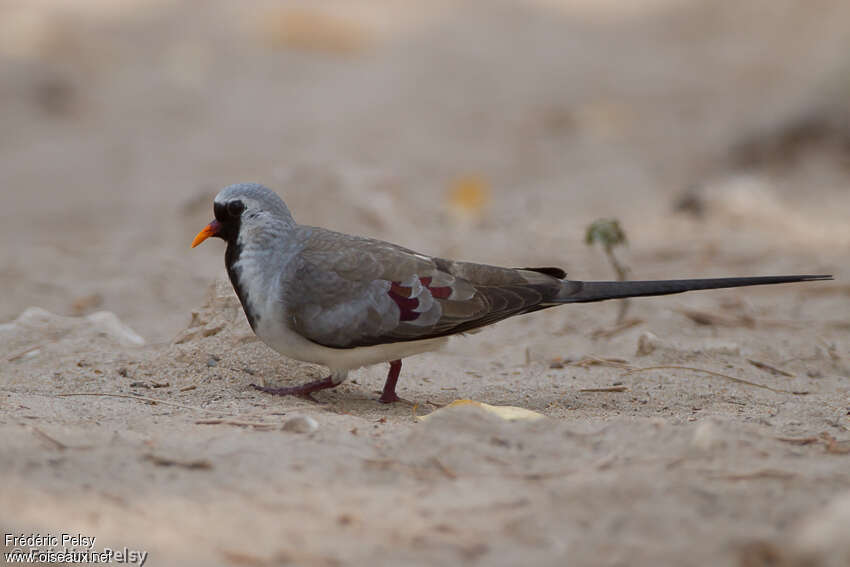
(209, 230)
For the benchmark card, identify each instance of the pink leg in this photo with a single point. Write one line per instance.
(389, 396)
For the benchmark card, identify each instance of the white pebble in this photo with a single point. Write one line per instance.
(823, 537)
(300, 424)
(707, 436)
(647, 343)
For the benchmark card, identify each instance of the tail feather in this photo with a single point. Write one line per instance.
(583, 292)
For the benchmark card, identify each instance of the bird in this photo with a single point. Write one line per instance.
(346, 302)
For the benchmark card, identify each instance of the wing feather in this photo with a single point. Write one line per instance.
(351, 291)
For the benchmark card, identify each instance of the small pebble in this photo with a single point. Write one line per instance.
(707, 437)
(86, 303)
(647, 343)
(823, 537)
(300, 424)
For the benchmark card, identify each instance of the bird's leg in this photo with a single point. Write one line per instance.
(389, 396)
(303, 390)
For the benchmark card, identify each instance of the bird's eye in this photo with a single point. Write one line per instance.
(235, 208)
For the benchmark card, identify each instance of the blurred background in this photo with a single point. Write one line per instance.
(492, 131)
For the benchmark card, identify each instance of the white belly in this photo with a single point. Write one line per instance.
(291, 344)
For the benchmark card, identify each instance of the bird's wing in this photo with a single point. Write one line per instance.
(346, 291)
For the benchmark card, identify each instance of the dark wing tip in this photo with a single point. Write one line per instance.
(582, 292)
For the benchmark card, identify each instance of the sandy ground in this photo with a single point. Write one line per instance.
(492, 132)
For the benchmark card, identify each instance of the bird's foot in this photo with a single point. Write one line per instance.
(388, 397)
(303, 391)
(395, 399)
(388, 394)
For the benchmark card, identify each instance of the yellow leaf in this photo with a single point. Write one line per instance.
(312, 30)
(468, 195)
(509, 413)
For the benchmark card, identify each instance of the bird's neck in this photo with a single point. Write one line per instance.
(254, 262)
(234, 271)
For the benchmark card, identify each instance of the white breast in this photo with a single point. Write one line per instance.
(289, 343)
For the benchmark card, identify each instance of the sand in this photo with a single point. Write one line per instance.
(710, 430)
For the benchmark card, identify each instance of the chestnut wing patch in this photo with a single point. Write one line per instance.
(408, 296)
(437, 291)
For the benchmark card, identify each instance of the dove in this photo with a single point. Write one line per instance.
(346, 301)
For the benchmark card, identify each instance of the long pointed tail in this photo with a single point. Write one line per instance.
(582, 292)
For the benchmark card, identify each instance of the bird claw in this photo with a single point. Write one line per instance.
(304, 391)
(393, 398)
(388, 398)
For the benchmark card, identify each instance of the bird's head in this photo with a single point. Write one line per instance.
(241, 208)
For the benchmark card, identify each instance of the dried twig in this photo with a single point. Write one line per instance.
(835, 446)
(450, 474)
(799, 440)
(718, 374)
(594, 361)
(56, 444)
(772, 369)
(611, 389)
(756, 475)
(831, 444)
(198, 464)
(22, 353)
(545, 475)
(254, 424)
(152, 401)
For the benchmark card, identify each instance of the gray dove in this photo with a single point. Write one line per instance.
(347, 301)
